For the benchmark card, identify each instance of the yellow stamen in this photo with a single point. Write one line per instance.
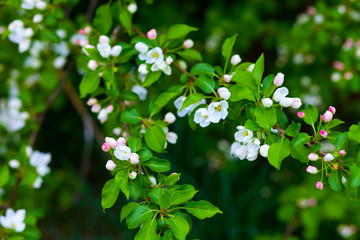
(155, 55)
(218, 108)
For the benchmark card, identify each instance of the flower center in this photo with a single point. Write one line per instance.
(205, 116)
(218, 108)
(245, 134)
(155, 55)
(12, 224)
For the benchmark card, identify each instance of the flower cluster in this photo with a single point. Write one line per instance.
(14, 220)
(20, 35)
(102, 112)
(247, 145)
(33, 4)
(40, 161)
(82, 37)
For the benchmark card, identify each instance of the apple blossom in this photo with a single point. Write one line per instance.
(134, 158)
(239, 150)
(122, 152)
(105, 147)
(267, 102)
(14, 164)
(342, 152)
(92, 64)
(252, 155)
(327, 116)
(313, 157)
(155, 56)
(165, 68)
(332, 110)
(169, 60)
(140, 91)
(171, 137)
(339, 65)
(141, 47)
(319, 185)
(186, 111)
(116, 50)
(104, 39)
(235, 59)
(104, 49)
(348, 75)
(110, 165)
(40, 161)
(323, 133)
(286, 102)
(227, 78)
(243, 135)
(103, 115)
(296, 104)
(280, 93)
(95, 108)
(109, 108)
(300, 114)
(41, 5)
(38, 182)
(328, 157)
(37, 18)
(311, 169)
(132, 175)
(121, 141)
(117, 131)
(142, 69)
(279, 79)
(218, 110)
(169, 118)
(188, 43)
(264, 149)
(91, 101)
(224, 93)
(132, 8)
(202, 117)
(14, 220)
(151, 34)
(111, 142)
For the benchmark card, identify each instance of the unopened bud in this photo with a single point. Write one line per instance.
(235, 60)
(313, 157)
(121, 141)
(134, 158)
(319, 185)
(327, 116)
(169, 118)
(279, 79)
(188, 43)
(112, 142)
(105, 147)
(110, 165)
(104, 39)
(132, 175)
(323, 133)
(92, 64)
(151, 34)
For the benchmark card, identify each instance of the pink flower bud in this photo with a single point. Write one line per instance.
(311, 10)
(105, 147)
(134, 158)
(121, 141)
(96, 108)
(338, 65)
(82, 31)
(348, 75)
(151, 34)
(332, 110)
(227, 78)
(110, 108)
(91, 101)
(188, 43)
(342, 152)
(112, 142)
(311, 169)
(296, 104)
(300, 114)
(132, 175)
(169, 118)
(313, 157)
(319, 185)
(87, 29)
(327, 116)
(279, 79)
(110, 165)
(92, 64)
(323, 133)
(235, 59)
(104, 39)
(171, 137)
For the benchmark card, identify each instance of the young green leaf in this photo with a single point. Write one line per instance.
(103, 18)
(190, 54)
(151, 78)
(126, 210)
(134, 144)
(298, 149)
(201, 209)
(354, 133)
(89, 83)
(265, 117)
(201, 68)
(293, 129)
(164, 199)
(110, 193)
(228, 46)
(147, 231)
(135, 187)
(179, 31)
(158, 165)
(205, 83)
(335, 180)
(155, 138)
(277, 152)
(130, 116)
(179, 226)
(182, 196)
(4, 175)
(121, 179)
(139, 215)
(258, 69)
(125, 18)
(239, 92)
(311, 115)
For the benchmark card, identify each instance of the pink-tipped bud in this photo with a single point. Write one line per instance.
(151, 34)
(300, 114)
(110, 165)
(327, 116)
(82, 31)
(96, 108)
(319, 185)
(121, 141)
(279, 79)
(112, 142)
(92, 65)
(171, 137)
(311, 169)
(91, 101)
(104, 39)
(323, 133)
(134, 158)
(348, 75)
(342, 152)
(110, 108)
(235, 59)
(338, 65)
(227, 78)
(105, 147)
(87, 29)
(313, 157)
(311, 10)
(332, 110)
(169, 118)
(132, 175)
(188, 43)
(296, 103)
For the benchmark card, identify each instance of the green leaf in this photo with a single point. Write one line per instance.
(168, 235)
(121, 179)
(125, 18)
(266, 117)
(172, 179)
(103, 18)
(228, 46)
(179, 31)
(333, 123)
(135, 187)
(244, 78)
(138, 215)
(155, 138)
(201, 209)
(311, 115)
(205, 83)
(191, 99)
(258, 69)
(134, 144)
(293, 129)
(164, 199)
(89, 83)
(165, 97)
(354, 133)
(154, 195)
(182, 196)
(355, 175)
(240, 92)
(298, 149)
(130, 116)
(179, 226)
(335, 180)
(158, 165)
(252, 125)
(201, 68)
(190, 54)
(110, 193)
(147, 231)
(4, 175)
(126, 210)
(277, 152)
(145, 155)
(151, 78)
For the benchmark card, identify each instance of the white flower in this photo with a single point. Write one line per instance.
(169, 118)
(202, 117)
(243, 135)
(142, 69)
(251, 68)
(116, 50)
(328, 157)
(264, 149)
(235, 59)
(132, 8)
(280, 93)
(40, 161)
(111, 142)
(37, 18)
(239, 150)
(14, 163)
(14, 220)
(224, 93)
(140, 91)
(142, 48)
(59, 62)
(279, 79)
(161, 66)
(179, 102)
(104, 49)
(252, 155)
(267, 102)
(297, 103)
(155, 56)
(188, 43)
(169, 60)
(286, 102)
(38, 182)
(122, 152)
(171, 137)
(218, 110)
(110, 165)
(92, 64)
(253, 145)
(153, 180)
(41, 5)
(104, 39)
(103, 115)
